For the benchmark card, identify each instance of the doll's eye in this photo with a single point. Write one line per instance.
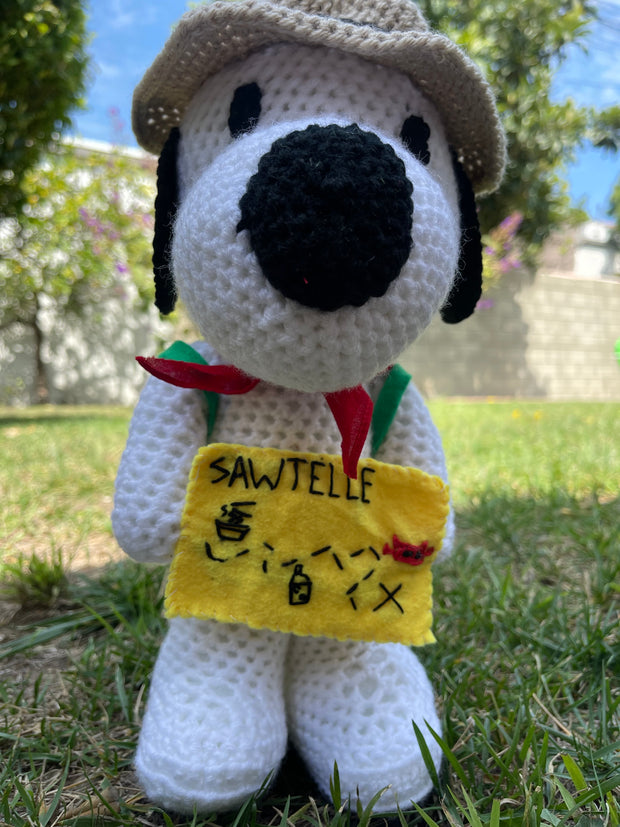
(415, 134)
(244, 109)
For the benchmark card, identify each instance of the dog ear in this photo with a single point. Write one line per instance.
(467, 286)
(166, 204)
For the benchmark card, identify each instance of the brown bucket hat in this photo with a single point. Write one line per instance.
(392, 33)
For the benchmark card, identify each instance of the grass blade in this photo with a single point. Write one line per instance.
(426, 755)
(424, 816)
(450, 757)
(44, 819)
(334, 788)
(576, 776)
(495, 813)
(569, 801)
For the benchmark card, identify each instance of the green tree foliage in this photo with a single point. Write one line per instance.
(614, 207)
(605, 129)
(83, 235)
(605, 133)
(519, 45)
(43, 60)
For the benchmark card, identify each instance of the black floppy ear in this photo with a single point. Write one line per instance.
(467, 286)
(166, 203)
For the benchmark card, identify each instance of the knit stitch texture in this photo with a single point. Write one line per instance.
(392, 34)
(329, 216)
(238, 80)
(214, 729)
(353, 703)
(302, 347)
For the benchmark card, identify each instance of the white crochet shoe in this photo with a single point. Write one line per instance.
(214, 728)
(353, 703)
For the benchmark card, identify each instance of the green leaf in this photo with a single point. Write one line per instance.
(119, 680)
(424, 815)
(426, 755)
(366, 814)
(575, 773)
(334, 787)
(45, 818)
(449, 755)
(568, 799)
(495, 813)
(474, 817)
(547, 817)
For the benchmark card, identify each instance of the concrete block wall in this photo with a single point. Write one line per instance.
(547, 336)
(87, 361)
(550, 336)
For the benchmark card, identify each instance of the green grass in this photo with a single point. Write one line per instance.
(526, 669)
(57, 468)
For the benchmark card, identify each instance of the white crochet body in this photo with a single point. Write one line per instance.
(224, 698)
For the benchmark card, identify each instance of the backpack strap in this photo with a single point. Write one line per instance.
(384, 411)
(182, 352)
(387, 404)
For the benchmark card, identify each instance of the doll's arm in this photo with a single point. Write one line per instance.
(414, 440)
(168, 427)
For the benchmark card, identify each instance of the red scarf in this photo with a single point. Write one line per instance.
(351, 407)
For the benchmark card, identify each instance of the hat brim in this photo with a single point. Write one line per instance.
(214, 35)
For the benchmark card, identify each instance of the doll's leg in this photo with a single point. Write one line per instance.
(214, 726)
(353, 703)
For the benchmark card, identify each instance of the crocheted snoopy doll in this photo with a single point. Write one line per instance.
(315, 210)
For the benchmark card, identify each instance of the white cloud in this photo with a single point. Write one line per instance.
(121, 14)
(107, 71)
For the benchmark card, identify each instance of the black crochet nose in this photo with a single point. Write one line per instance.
(329, 214)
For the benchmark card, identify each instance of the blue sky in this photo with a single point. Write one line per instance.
(128, 34)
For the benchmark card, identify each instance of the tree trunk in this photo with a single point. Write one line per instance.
(42, 387)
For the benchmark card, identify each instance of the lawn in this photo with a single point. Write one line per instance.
(526, 666)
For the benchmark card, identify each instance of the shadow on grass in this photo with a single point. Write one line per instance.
(52, 415)
(535, 574)
(542, 536)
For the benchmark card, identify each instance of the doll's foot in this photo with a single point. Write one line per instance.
(353, 703)
(214, 729)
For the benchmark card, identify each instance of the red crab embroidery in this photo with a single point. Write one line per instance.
(408, 553)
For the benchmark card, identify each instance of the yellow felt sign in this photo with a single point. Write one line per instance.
(286, 541)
